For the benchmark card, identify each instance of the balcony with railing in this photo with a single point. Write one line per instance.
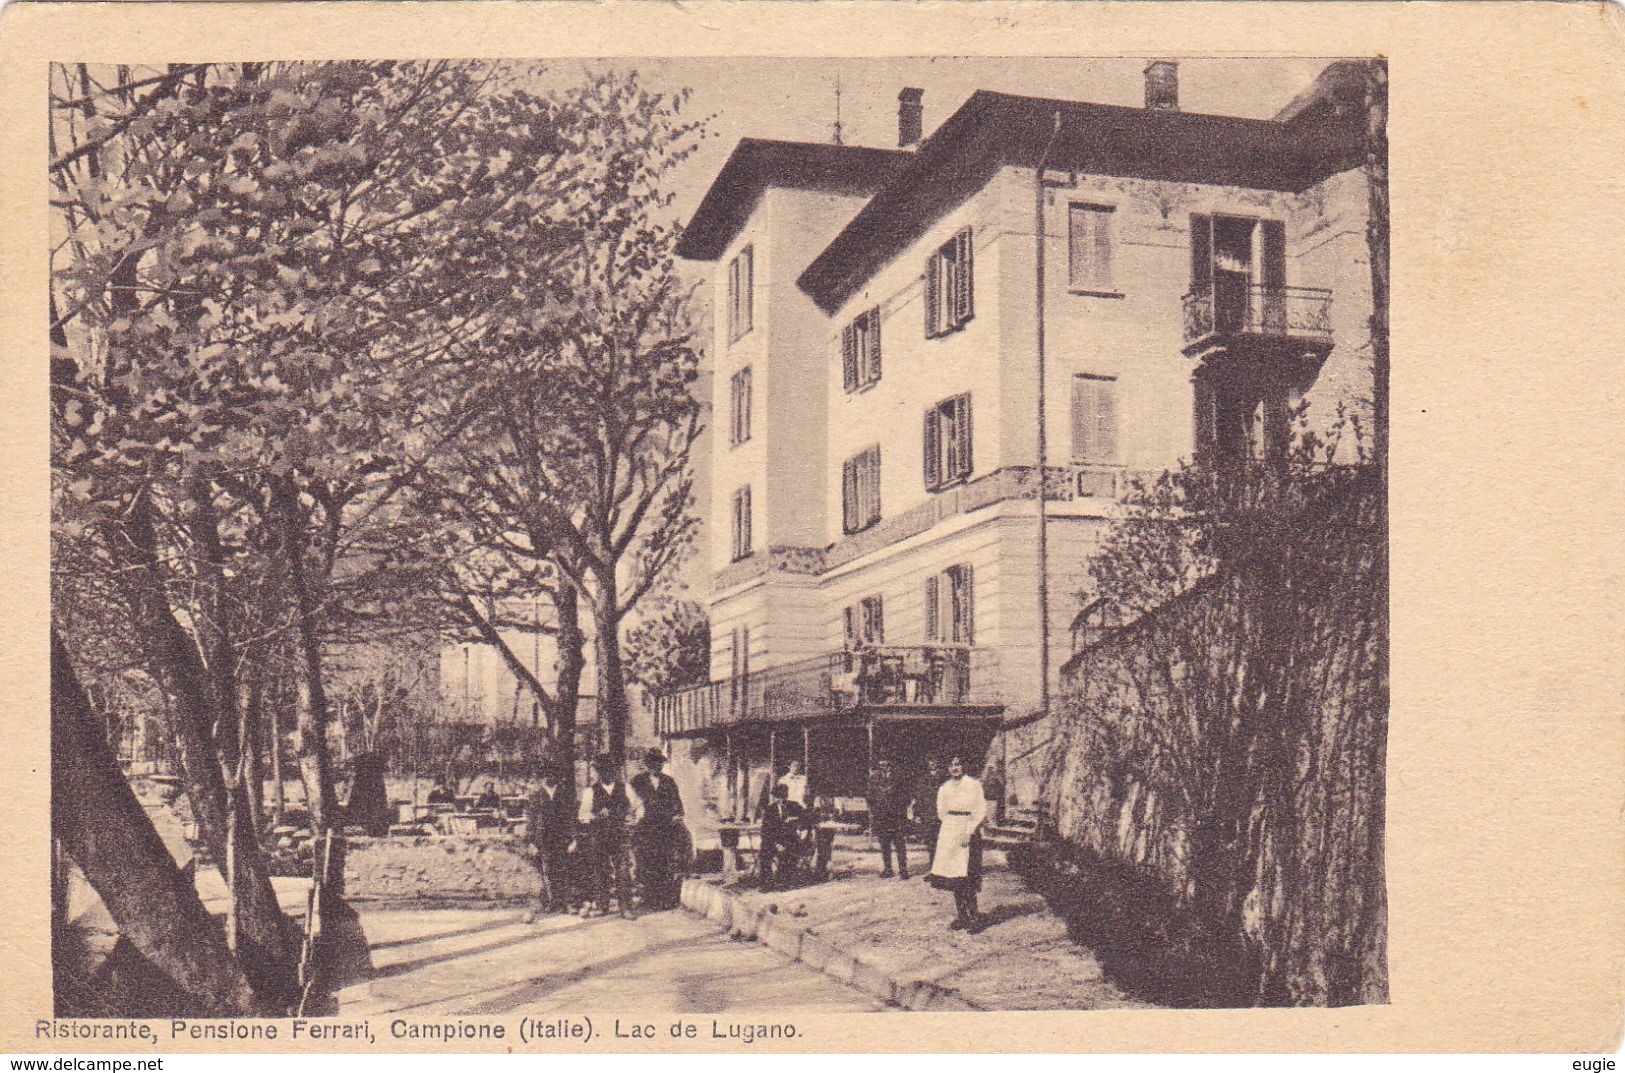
(1222, 318)
(888, 680)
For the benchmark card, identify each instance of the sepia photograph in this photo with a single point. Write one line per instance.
(738, 537)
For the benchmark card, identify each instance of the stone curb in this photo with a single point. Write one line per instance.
(730, 913)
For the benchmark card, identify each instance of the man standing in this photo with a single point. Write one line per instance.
(888, 816)
(549, 828)
(604, 811)
(925, 804)
(659, 833)
(781, 838)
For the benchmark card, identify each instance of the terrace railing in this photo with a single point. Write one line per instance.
(925, 676)
(1285, 312)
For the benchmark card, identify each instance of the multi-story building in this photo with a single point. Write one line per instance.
(891, 379)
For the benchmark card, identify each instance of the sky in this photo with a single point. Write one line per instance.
(794, 99)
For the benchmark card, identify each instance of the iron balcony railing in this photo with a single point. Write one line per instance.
(1288, 312)
(905, 676)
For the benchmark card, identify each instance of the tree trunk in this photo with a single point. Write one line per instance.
(108, 834)
(279, 793)
(253, 744)
(270, 958)
(567, 690)
(612, 705)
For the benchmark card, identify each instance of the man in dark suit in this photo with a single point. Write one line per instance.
(925, 804)
(659, 834)
(781, 838)
(888, 816)
(605, 807)
(549, 827)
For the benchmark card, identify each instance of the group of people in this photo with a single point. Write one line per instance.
(947, 808)
(949, 811)
(585, 856)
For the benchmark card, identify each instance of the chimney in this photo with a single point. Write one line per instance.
(910, 117)
(1162, 85)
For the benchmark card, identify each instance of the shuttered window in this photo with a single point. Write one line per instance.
(741, 528)
(741, 287)
(950, 613)
(739, 427)
(1090, 255)
(948, 449)
(950, 277)
(1094, 419)
(860, 351)
(860, 490)
(872, 620)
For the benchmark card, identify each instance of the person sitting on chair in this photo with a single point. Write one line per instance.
(490, 799)
(781, 838)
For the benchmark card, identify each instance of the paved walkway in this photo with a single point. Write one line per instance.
(488, 962)
(1024, 960)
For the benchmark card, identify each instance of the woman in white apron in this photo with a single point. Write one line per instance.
(957, 865)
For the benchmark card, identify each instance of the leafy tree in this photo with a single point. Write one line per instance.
(575, 484)
(670, 647)
(266, 274)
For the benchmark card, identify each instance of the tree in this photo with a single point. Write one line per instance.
(587, 497)
(265, 276)
(670, 648)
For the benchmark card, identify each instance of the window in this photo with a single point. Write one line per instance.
(741, 523)
(1094, 419)
(741, 280)
(948, 457)
(1090, 260)
(739, 428)
(864, 622)
(860, 490)
(949, 606)
(860, 351)
(949, 275)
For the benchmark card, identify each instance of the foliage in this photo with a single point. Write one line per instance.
(1232, 734)
(670, 648)
(576, 482)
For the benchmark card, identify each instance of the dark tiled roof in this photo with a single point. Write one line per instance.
(992, 130)
(758, 163)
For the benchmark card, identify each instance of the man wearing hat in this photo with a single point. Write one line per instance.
(550, 827)
(604, 811)
(660, 835)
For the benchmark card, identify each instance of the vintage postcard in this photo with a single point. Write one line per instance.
(567, 529)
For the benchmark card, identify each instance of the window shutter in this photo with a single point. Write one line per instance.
(874, 344)
(933, 449)
(933, 295)
(1105, 421)
(1101, 276)
(871, 485)
(1205, 427)
(967, 605)
(747, 290)
(1201, 253)
(1083, 409)
(746, 435)
(962, 429)
(849, 626)
(1079, 246)
(878, 631)
(932, 625)
(1274, 253)
(849, 357)
(849, 496)
(964, 299)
